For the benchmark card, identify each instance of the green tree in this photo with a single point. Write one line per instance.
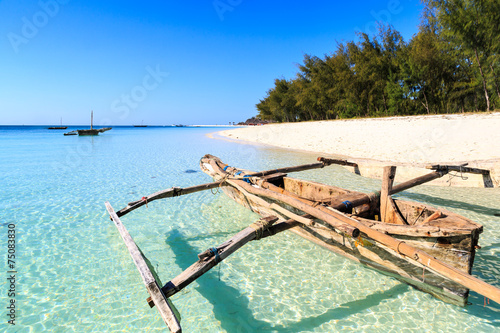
(468, 22)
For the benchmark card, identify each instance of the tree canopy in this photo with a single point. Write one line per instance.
(451, 65)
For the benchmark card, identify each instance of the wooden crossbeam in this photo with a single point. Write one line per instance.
(458, 168)
(218, 254)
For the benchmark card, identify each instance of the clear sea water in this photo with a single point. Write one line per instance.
(74, 273)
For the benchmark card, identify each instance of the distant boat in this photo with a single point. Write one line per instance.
(180, 125)
(58, 127)
(90, 131)
(93, 131)
(141, 125)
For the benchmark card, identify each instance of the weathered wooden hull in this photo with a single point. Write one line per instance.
(93, 131)
(451, 239)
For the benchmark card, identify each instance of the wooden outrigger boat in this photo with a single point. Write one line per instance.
(91, 131)
(431, 249)
(57, 127)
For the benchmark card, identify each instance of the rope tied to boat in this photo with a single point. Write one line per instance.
(216, 190)
(261, 227)
(348, 205)
(460, 174)
(397, 248)
(221, 182)
(176, 191)
(145, 199)
(215, 252)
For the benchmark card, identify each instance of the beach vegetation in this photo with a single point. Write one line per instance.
(451, 65)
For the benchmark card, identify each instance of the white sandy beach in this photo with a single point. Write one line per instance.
(409, 141)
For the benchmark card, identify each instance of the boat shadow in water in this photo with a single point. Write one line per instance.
(232, 308)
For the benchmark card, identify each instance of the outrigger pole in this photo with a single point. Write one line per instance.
(163, 306)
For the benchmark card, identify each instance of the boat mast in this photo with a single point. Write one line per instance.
(91, 118)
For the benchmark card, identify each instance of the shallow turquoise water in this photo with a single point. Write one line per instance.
(75, 274)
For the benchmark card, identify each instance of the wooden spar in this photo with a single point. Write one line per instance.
(387, 181)
(288, 169)
(417, 181)
(374, 197)
(458, 168)
(213, 256)
(393, 244)
(329, 161)
(271, 231)
(168, 193)
(280, 227)
(154, 290)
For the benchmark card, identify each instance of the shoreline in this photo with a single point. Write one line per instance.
(409, 142)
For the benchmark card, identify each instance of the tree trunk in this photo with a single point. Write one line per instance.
(495, 81)
(484, 82)
(426, 105)
(385, 104)
(367, 104)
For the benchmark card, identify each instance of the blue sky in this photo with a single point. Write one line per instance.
(167, 62)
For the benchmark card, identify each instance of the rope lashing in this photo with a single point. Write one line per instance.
(177, 191)
(348, 205)
(397, 249)
(215, 252)
(260, 227)
(460, 174)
